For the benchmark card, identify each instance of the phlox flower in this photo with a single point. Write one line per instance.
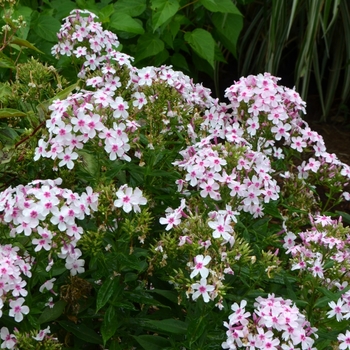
(119, 108)
(67, 158)
(222, 227)
(210, 187)
(344, 340)
(129, 199)
(337, 309)
(323, 220)
(298, 143)
(171, 220)
(9, 340)
(199, 266)
(48, 285)
(17, 309)
(42, 333)
(75, 265)
(202, 289)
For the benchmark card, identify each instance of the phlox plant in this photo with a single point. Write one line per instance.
(175, 220)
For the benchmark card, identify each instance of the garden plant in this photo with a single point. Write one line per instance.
(139, 212)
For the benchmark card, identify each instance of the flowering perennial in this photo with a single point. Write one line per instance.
(228, 165)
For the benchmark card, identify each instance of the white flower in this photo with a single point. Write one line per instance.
(9, 339)
(41, 334)
(199, 267)
(130, 199)
(202, 288)
(17, 309)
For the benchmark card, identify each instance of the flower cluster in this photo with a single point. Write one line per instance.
(12, 285)
(276, 324)
(106, 110)
(47, 214)
(130, 199)
(327, 241)
(269, 117)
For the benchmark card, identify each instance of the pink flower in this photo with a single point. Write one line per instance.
(202, 289)
(17, 309)
(9, 340)
(200, 262)
(344, 340)
(130, 199)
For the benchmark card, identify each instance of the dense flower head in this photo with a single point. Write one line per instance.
(13, 269)
(47, 214)
(327, 241)
(276, 323)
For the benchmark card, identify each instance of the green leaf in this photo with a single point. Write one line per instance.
(179, 61)
(108, 288)
(62, 8)
(225, 6)
(110, 324)
(196, 328)
(148, 45)
(152, 342)
(105, 13)
(51, 314)
(132, 8)
(162, 11)
(228, 27)
(6, 62)
(171, 326)
(24, 43)
(81, 331)
(10, 113)
(202, 42)
(46, 27)
(125, 23)
(166, 294)
(345, 216)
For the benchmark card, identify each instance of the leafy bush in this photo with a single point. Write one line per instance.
(165, 219)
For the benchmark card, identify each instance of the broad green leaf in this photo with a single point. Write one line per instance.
(148, 45)
(202, 42)
(47, 27)
(171, 326)
(24, 43)
(152, 342)
(105, 13)
(51, 314)
(125, 23)
(6, 62)
(10, 113)
(162, 11)
(108, 288)
(132, 8)
(229, 27)
(225, 6)
(82, 331)
(179, 61)
(110, 324)
(62, 8)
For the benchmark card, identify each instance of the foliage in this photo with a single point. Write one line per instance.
(192, 36)
(307, 35)
(156, 217)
